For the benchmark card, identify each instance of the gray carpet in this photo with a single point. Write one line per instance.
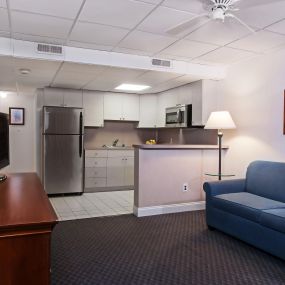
(175, 249)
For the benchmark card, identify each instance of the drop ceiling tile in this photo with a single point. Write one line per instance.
(119, 13)
(112, 77)
(261, 16)
(132, 51)
(73, 75)
(146, 41)
(89, 46)
(188, 49)
(277, 28)
(259, 42)
(39, 39)
(3, 4)
(42, 71)
(163, 19)
(98, 34)
(155, 2)
(50, 7)
(219, 33)
(193, 6)
(4, 20)
(226, 55)
(153, 78)
(46, 26)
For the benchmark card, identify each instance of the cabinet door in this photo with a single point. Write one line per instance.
(115, 171)
(131, 107)
(129, 171)
(112, 106)
(93, 104)
(72, 98)
(53, 97)
(165, 100)
(148, 110)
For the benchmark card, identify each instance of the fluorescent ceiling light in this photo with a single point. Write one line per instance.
(131, 87)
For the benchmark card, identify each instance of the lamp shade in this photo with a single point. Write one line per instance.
(220, 120)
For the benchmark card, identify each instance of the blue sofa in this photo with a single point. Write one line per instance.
(251, 209)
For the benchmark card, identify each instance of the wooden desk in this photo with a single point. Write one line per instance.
(26, 222)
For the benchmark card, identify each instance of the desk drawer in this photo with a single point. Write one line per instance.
(96, 153)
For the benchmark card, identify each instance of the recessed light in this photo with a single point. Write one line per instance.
(25, 71)
(131, 87)
(3, 94)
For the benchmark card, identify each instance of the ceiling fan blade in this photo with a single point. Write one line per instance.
(244, 4)
(185, 25)
(229, 15)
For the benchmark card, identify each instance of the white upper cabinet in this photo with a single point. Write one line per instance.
(148, 111)
(165, 100)
(93, 104)
(62, 97)
(112, 106)
(72, 98)
(119, 106)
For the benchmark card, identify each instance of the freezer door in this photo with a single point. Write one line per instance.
(62, 120)
(63, 164)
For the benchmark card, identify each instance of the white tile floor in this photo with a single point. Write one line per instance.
(91, 205)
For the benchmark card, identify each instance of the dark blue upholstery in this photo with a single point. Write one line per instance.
(266, 179)
(274, 219)
(252, 209)
(245, 204)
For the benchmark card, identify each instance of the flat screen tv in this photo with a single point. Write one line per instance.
(4, 143)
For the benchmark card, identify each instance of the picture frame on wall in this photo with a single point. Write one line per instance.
(16, 116)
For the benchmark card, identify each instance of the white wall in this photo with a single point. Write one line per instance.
(22, 138)
(253, 93)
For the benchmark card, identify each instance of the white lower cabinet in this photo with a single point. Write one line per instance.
(109, 169)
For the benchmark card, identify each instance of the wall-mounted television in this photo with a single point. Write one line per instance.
(4, 143)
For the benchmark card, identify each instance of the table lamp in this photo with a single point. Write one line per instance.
(220, 120)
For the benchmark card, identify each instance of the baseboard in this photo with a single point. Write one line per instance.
(168, 209)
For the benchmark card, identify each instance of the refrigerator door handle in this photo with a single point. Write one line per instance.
(80, 134)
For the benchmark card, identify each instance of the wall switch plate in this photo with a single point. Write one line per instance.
(185, 187)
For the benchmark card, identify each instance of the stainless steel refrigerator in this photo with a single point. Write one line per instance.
(63, 150)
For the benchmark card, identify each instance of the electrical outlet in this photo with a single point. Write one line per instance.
(185, 187)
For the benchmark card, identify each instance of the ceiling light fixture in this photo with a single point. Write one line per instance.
(131, 87)
(24, 71)
(3, 94)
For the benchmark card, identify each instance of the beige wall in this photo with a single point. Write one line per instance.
(22, 138)
(253, 92)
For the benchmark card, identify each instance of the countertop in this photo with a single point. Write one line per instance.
(176, 146)
(110, 148)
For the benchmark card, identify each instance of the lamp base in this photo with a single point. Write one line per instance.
(220, 135)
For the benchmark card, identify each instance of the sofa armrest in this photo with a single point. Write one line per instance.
(223, 187)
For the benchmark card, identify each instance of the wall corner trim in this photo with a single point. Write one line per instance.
(169, 209)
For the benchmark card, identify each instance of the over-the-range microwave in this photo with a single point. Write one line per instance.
(179, 116)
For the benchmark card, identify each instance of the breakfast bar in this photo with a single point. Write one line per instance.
(169, 178)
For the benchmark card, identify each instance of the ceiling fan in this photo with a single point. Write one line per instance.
(219, 10)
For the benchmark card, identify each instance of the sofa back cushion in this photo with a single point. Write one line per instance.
(266, 179)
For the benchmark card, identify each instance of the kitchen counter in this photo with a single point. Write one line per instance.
(110, 148)
(176, 146)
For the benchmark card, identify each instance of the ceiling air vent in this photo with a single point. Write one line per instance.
(161, 62)
(50, 49)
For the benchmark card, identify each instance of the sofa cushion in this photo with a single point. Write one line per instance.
(266, 179)
(245, 204)
(274, 219)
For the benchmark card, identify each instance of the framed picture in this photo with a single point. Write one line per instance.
(16, 116)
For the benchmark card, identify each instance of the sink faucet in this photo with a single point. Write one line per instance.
(115, 142)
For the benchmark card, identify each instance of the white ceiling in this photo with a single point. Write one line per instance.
(134, 27)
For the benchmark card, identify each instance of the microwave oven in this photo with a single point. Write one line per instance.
(179, 116)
